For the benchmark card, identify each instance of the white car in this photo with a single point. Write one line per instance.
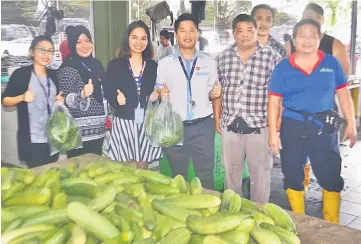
(15, 40)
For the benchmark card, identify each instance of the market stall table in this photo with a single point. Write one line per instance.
(310, 230)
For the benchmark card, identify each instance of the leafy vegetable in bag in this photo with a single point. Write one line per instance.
(62, 130)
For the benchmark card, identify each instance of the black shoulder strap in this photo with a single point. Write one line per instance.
(326, 44)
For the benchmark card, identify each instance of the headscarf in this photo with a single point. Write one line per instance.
(89, 67)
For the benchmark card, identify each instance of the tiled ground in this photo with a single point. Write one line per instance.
(350, 213)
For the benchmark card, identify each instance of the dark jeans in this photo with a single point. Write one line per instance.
(322, 151)
(94, 146)
(198, 145)
(40, 155)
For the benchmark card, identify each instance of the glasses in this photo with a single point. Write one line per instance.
(43, 51)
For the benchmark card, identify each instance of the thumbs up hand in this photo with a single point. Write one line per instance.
(121, 98)
(28, 96)
(59, 97)
(88, 89)
(165, 92)
(216, 91)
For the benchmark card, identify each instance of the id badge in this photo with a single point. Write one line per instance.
(139, 115)
(190, 110)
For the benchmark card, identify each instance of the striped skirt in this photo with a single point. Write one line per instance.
(128, 142)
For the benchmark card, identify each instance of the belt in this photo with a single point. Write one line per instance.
(195, 121)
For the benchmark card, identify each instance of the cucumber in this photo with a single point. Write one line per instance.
(205, 212)
(136, 230)
(71, 167)
(91, 240)
(155, 177)
(212, 225)
(84, 200)
(42, 178)
(260, 217)
(181, 184)
(236, 236)
(50, 217)
(178, 236)
(59, 237)
(101, 171)
(120, 222)
(110, 208)
(279, 216)
(146, 241)
(264, 236)
(82, 189)
(249, 204)
(161, 189)
(127, 180)
(163, 228)
(104, 199)
(13, 225)
(22, 210)
(226, 199)
(149, 218)
(7, 237)
(178, 214)
(110, 177)
(29, 198)
(27, 238)
(72, 181)
(195, 201)
(7, 215)
(15, 188)
(285, 235)
(8, 179)
(215, 240)
(93, 168)
(78, 235)
(60, 200)
(196, 186)
(196, 239)
(246, 225)
(91, 221)
(123, 238)
(235, 204)
(129, 214)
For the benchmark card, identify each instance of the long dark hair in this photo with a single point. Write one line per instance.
(124, 47)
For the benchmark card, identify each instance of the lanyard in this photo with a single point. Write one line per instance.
(139, 82)
(47, 94)
(87, 68)
(189, 78)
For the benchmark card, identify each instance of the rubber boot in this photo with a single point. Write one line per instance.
(306, 181)
(331, 206)
(296, 200)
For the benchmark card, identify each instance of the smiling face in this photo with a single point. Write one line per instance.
(43, 53)
(307, 39)
(138, 40)
(187, 34)
(245, 35)
(264, 21)
(84, 47)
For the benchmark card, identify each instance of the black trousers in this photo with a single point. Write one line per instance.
(198, 145)
(40, 155)
(321, 149)
(94, 146)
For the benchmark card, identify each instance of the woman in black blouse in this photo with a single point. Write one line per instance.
(130, 82)
(80, 79)
(33, 90)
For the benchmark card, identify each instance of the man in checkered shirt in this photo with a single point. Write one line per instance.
(244, 71)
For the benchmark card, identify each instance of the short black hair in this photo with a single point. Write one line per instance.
(124, 47)
(186, 17)
(262, 6)
(306, 22)
(243, 18)
(315, 8)
(39, 39)
(165, 34)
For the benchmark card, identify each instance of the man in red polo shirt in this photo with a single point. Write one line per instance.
(64, 49)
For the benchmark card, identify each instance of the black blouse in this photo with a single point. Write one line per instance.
(118, 76)
(17, 85)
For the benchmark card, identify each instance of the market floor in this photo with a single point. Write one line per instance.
(350, 212)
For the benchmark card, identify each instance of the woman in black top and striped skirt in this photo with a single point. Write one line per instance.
(130, 81)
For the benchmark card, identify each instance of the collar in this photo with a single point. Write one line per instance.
(321, 56)
(177, 54)
(259, 48)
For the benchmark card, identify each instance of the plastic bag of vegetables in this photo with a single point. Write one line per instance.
(62, 130)
(167, 126)
(152, 108)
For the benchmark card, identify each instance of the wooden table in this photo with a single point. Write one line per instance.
(310, 230)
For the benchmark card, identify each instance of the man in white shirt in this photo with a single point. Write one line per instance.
(166, 47)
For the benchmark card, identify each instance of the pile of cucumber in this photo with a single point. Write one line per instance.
(106, 202)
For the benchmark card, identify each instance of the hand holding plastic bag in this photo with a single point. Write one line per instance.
(62, 130)
(167, 126)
